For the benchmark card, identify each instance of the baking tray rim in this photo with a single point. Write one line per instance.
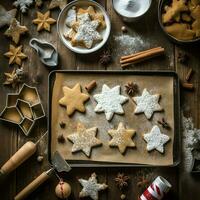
(177, 138)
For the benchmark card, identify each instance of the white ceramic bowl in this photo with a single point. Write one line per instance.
(131, 10)
(62, 27)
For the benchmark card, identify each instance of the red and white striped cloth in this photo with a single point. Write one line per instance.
(156, 190)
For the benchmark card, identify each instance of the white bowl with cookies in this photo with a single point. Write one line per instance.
(83, 26)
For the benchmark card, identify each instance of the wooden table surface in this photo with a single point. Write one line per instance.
(147, 30)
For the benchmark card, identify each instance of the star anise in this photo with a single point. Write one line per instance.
(62, 124)
(13, 78)
(105, 58)
(143, 179)
(164, 124)
(131, 88)
(121, 180)
(143, 182)
(61, 139)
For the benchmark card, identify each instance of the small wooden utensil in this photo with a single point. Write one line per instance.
(25, 152)
(58, 165)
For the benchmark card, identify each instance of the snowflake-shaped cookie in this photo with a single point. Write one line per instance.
(156, 140)
(87, 33)
(110, 101)
(23, 4)
(91, 187)
(147, 103)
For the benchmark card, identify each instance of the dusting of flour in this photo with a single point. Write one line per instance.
(190, 135)
(127, 44)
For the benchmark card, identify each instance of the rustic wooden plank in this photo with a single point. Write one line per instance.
(190, 104)
(38, 77)
(8, 133)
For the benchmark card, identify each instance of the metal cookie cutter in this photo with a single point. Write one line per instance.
(46, 52)
(23, 108)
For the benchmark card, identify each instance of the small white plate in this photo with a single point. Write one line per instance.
(62, 27)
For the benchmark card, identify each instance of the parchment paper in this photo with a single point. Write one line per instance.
(139, 155)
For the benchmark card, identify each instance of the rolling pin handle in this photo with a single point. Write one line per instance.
(26, 151)
(33, 185)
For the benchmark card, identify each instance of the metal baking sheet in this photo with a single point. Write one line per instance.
(102, 74)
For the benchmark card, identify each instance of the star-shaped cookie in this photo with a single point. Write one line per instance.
(121, 138)
(6, 16)
(58, 3)
(11, 78)
(91, 187)
(147, 103)
(156, 140)
(94, 15)
(44, 21)
(15, 55)
(87, 33)
(73, 99)
(84, 139)
(15, 30)
(110, 101)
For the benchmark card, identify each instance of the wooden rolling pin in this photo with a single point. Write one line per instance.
(34, 185)
(26, 151)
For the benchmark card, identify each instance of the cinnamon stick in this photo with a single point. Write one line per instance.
(91, 85)
(188, 86)
(143, 56)
(188, 76)
(141, 59)
(138, 53)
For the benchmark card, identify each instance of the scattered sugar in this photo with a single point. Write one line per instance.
(190, 135)
(127, 44)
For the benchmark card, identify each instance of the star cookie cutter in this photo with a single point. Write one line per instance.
(46, 51)
(23, 108)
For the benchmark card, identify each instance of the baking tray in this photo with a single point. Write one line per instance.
(177, 138)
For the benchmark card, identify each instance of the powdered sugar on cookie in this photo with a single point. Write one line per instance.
(91, 187)
(87, 33)
(85, 24)
(110, 101)
(71, 17)
(156, 140)
(84, 139)
(147, 103)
